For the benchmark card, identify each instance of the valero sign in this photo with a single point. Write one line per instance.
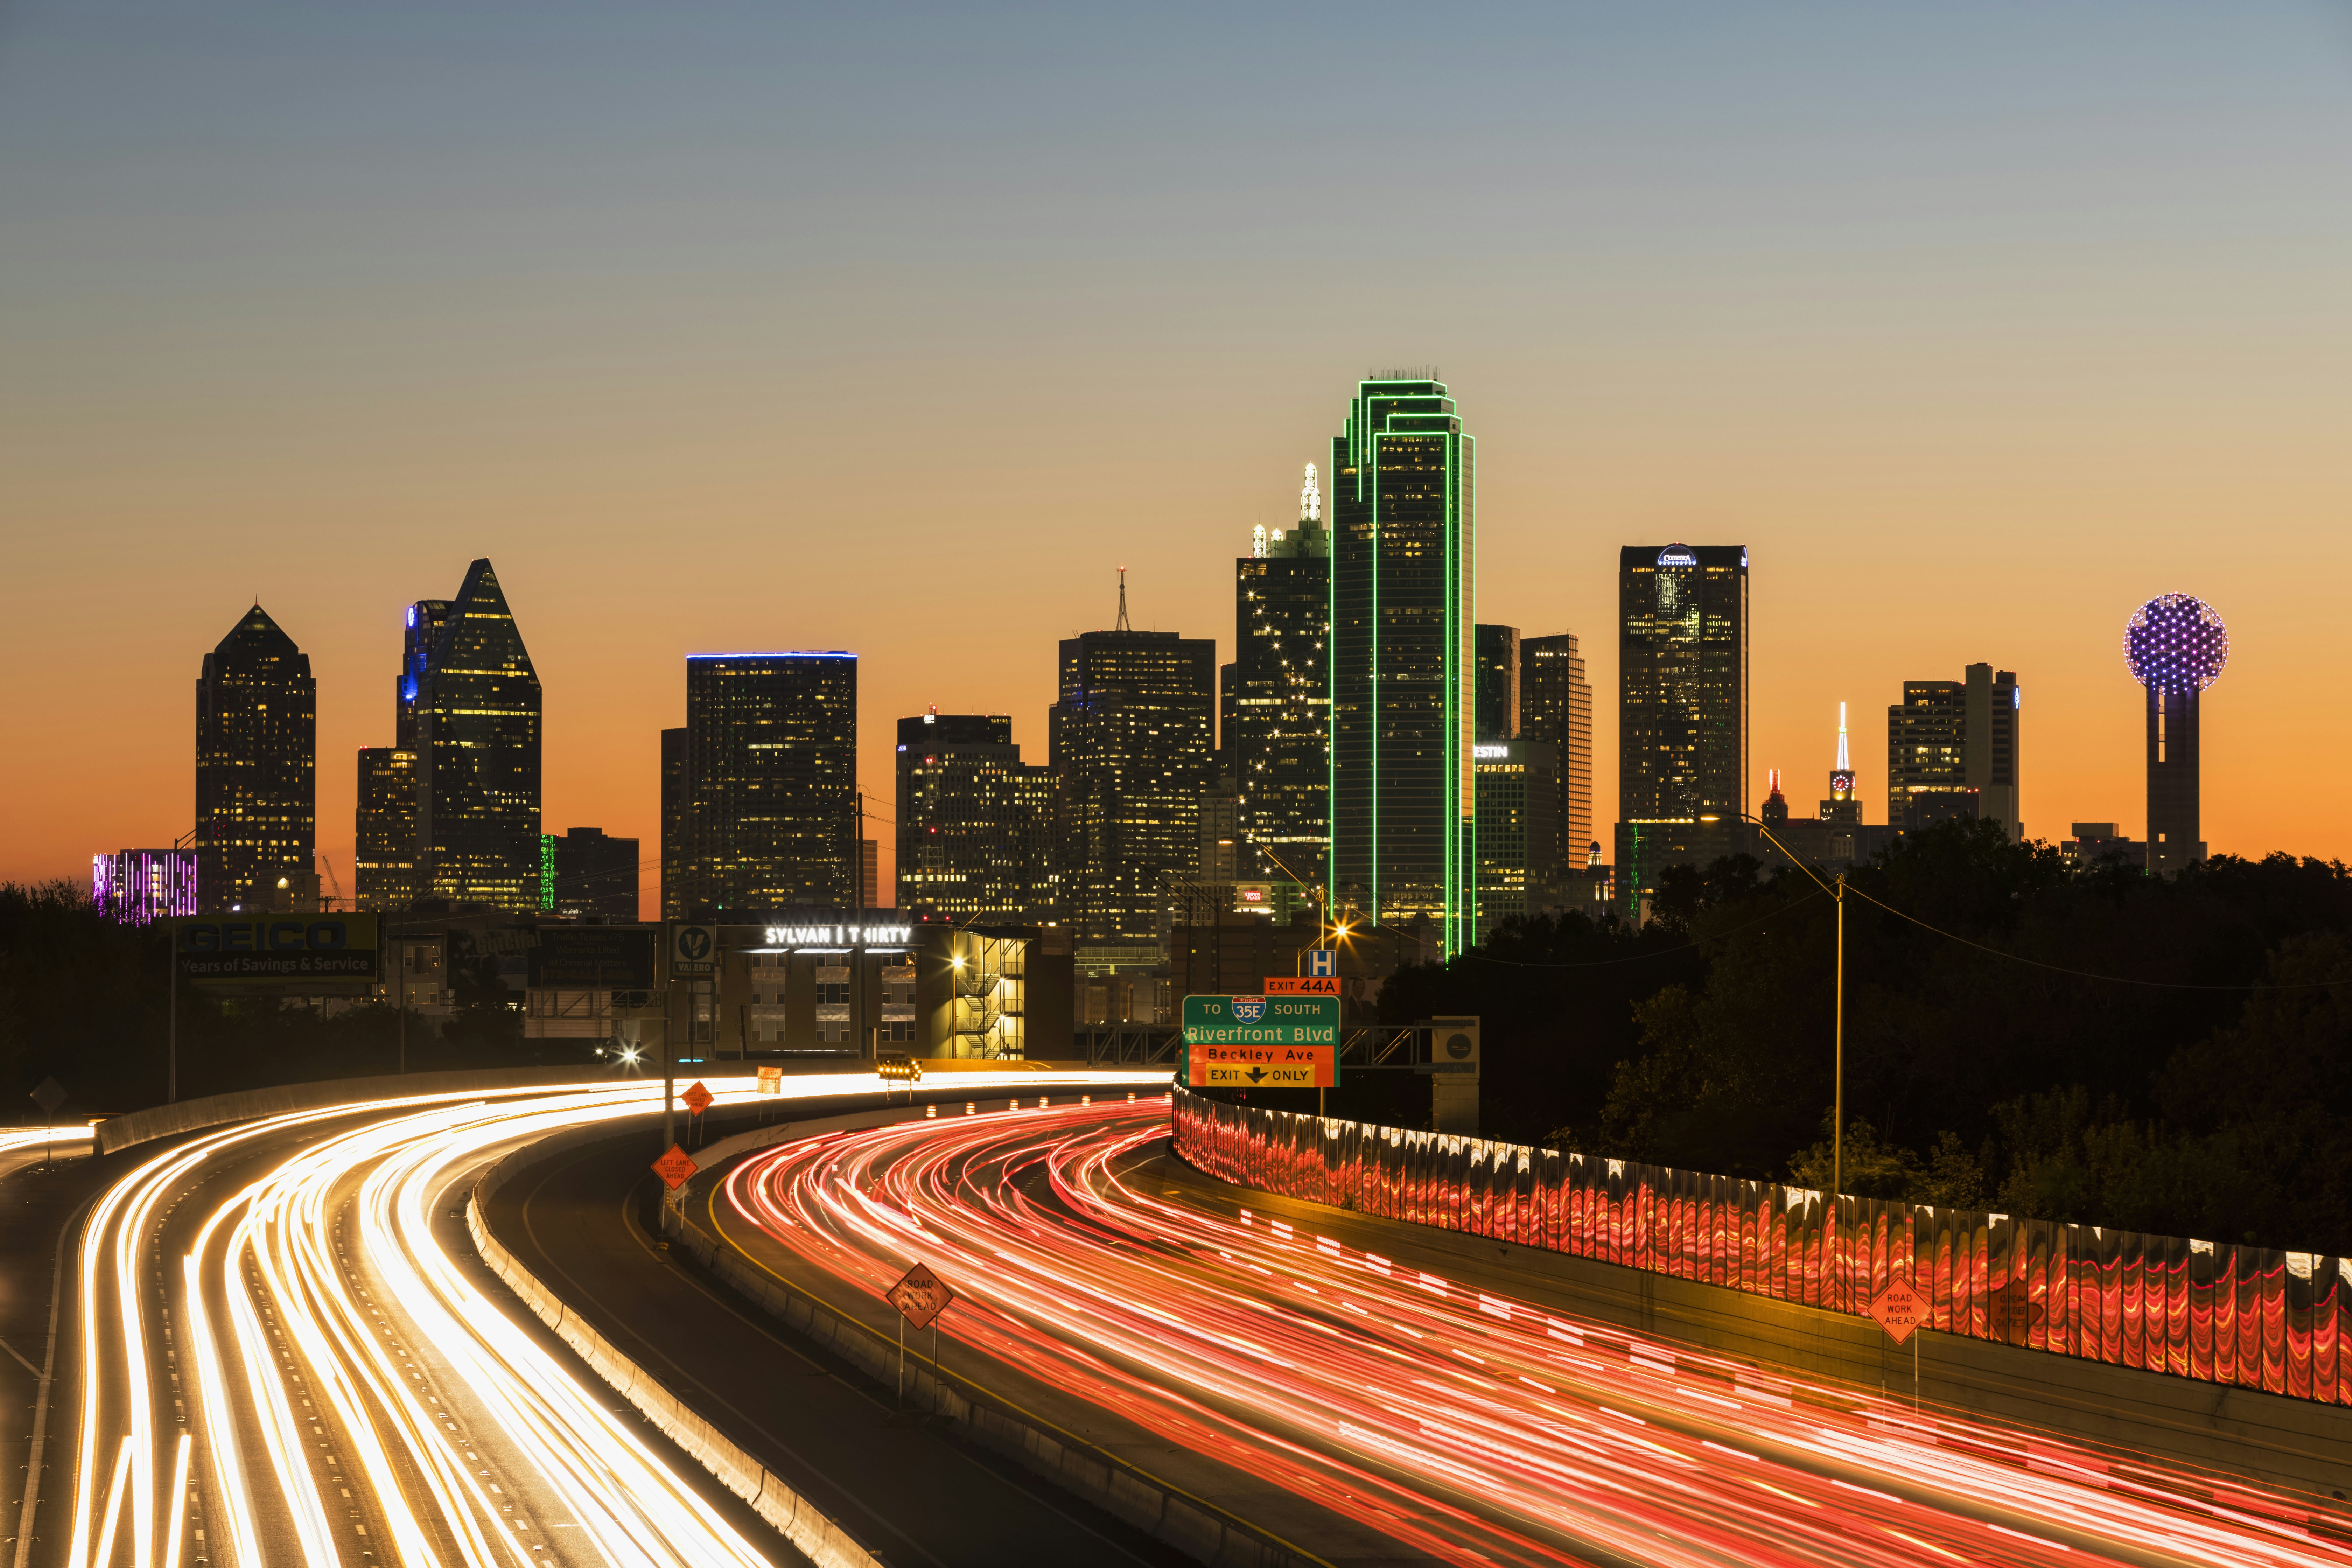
(299, 953)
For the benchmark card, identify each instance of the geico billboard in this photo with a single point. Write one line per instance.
(278, 948)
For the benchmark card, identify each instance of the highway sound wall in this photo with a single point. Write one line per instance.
(2244, 1317)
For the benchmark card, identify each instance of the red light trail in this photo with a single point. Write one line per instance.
(1470, 1427)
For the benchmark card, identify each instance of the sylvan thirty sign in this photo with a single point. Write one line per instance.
(839, 936)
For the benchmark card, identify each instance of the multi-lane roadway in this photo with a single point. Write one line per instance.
(1469, 1424)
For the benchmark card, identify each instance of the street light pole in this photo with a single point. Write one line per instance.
(1837, 1112)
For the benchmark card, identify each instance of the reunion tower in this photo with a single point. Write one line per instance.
(2175, 646)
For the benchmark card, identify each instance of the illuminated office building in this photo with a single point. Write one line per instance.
(1276, 701)
(1495, 683)
(770, 782)
(1518, 784)
(1556, 708)
(384, 850)
(470, 711)
(974, 822)
(1682, 746)
(673, 824)
(257, 766)
(1132, 745)
(1402, 508)
(1949, 737)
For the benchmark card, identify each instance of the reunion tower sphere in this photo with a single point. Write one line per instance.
(2176, 643)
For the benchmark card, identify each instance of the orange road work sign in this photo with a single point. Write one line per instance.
(921, 1296)
(697, 1099)
(674, 1167)
(1302, 986)
(1899, 1310)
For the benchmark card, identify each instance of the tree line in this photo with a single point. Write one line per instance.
(2165, 1055)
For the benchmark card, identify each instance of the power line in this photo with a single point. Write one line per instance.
(2085, 974)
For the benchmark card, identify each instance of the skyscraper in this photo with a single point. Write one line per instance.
(770, 782)
(257, 766)
(470, 713)
(1682, 745)
(1556, 709)
(587, 871)
(1403, 510)
(1948, 736)
(1276, 698)
(1132, 747)
(2175, 646)
(1518, 790)
(1495, 683)
(673, 824)
(384, 852)
(974, 821)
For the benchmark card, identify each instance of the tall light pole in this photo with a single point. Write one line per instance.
(1836, 890)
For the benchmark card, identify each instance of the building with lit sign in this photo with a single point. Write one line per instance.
(1682, 741)
(1403, 527)
(770, 788)
(257, 767)
(1276, 699)
(1950, 736)
(132, 887)
(1517, 792)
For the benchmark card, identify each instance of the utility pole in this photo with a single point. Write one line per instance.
(172, 1049)
(1837, 1112)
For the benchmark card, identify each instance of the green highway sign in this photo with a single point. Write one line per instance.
(1261, 1020)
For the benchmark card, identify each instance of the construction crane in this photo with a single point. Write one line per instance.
(333, 883)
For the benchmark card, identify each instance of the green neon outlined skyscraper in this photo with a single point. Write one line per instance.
(1404, 559)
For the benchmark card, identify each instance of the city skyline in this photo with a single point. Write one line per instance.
(1974, 328)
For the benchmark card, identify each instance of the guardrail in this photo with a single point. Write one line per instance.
(2244, 1316)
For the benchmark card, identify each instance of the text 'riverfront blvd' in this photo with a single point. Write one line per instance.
(1261, 1020)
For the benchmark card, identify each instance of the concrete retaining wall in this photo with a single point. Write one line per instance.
(824, 1542)
(1197, 1529)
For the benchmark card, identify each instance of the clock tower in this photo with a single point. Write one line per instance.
(1843, 804)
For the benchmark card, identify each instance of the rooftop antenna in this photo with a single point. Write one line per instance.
(1122, 602)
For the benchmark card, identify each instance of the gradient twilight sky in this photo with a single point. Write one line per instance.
(722, 325)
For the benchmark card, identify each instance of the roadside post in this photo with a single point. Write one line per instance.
(48, 1096)
(921, 1296)
(1900, 1311)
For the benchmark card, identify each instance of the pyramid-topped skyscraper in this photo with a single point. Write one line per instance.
(470, 712)
(257, 766)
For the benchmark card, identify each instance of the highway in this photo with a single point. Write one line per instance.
(1465, 1424)
(287, 1354)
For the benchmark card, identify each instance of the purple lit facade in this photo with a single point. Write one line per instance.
(2175, 646)
(133, 886)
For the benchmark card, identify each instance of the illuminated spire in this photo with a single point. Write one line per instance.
(1843, 765)
(1310, 499)
(1773, 781)
(1258, 541)
(1122, 609)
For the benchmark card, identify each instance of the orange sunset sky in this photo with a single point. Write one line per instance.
(726, 328)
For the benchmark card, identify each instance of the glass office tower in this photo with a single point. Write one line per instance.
(384, 852)
(771, 782)
(1682, 747)
(469, 711)
(1132, 746)
(1402, 509)
(257, 766)
(1276, 745)
(974, 821)
(1556, 708)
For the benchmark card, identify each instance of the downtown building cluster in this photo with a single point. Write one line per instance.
(1373, 760)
